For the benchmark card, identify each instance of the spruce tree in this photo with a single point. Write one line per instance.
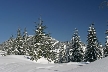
(76, 53)
(41, 46)
(106, 45)
(18, 43)
(30, 46)
(25, 42)
(57, 47)
(67, 48)
(10, 46)
(92, 51)
(101, 51)
(49, 52)
(5, 46)
(61, 53)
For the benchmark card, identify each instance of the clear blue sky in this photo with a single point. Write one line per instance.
(60, 16)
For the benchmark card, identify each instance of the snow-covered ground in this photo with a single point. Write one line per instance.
(97, 66)
(19, 63)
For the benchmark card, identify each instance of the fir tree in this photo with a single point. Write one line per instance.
(106, 45)
(42, 46)
(92, 51)
(18, 43)
(101, 51)
(49, 52)
(57, 47)
(5, 46)
(76, 53)
(67, 48)
(10, 46)
(30, 46)
(25, 42)
(61, 53)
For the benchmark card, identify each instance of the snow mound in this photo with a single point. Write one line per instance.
(43, 61)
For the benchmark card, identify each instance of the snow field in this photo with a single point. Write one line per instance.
(97, 66)
(19, 63)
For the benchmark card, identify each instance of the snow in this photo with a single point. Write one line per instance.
(43, 61)
(97, 66)
(56, 42)
(19, 63)
(40, 27)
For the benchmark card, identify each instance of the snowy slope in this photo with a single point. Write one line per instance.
(97, 66)
(18, 63)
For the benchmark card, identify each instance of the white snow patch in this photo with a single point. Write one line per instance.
(44, 61)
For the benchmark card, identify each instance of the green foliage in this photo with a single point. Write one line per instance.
(92, 52)
(106, 45)
(25, 42)
(61, 53)
(42, 46)
(77, 51)
(19, 42)
(10, 45)
(18, 45)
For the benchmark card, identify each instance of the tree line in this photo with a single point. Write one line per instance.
(41, 44)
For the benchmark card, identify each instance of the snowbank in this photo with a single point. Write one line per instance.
(44, 61)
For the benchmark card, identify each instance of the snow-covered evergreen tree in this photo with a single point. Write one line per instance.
(106, 45)
(5, 46)
(101, 51)
(76, 53)
(25, 42)
(19, 44)
(50, 50)
(11, 46)
(57, 50)
(92, 51)
(60, 53)
(30, 46)
(67, 48)
(42, 46)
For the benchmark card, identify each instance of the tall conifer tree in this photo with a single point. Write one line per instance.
(92, 51)
(42, 44)
(18, 43)
(77, 50)
(25, 42)
(11, 46)
(106, 45)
